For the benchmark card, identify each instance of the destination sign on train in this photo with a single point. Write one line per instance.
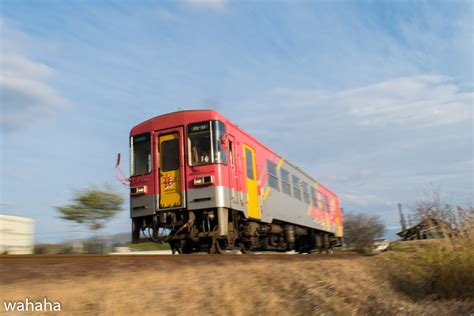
(140, 138)
(200, 127)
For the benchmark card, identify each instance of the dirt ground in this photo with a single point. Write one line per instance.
(341, 284)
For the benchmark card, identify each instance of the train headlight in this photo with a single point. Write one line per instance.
(203, 180)
(138, 190)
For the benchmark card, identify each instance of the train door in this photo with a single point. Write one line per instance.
(171, 173)
(233, 171)
(253, 205)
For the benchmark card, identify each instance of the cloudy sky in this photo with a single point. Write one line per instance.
(373, 98)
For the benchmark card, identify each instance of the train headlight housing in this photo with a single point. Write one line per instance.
(138, 190)
(203, 180)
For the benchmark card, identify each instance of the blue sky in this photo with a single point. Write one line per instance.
(373, 98)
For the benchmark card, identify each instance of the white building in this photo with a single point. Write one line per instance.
(16, 234)
(381, 245)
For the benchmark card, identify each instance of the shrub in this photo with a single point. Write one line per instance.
(452, 273)
(360, 230)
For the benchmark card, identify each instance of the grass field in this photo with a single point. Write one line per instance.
(391, 283)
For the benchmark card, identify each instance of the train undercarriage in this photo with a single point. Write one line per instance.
(221, 230)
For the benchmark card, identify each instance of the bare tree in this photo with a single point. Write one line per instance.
(447, 219)
(432, 205)
(361, 229)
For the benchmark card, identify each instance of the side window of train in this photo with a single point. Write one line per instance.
(170, 155)
(304, 185)
(272, 175)
(248, 163)
(326, 203)
(313, 196)
(285, 181)
(231, 154)
(320, 200)
(296, 187)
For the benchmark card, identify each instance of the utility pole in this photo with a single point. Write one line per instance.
(343, 242)
(402, 218)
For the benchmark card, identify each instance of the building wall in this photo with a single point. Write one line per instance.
(16, 234)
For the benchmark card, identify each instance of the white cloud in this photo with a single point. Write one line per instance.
(365, 200)
(14, 65)
(207, 4)
(25, 94)
(423, 100)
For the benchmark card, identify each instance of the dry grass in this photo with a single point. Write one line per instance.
(441, 268)
(336, 286)
(447, 263)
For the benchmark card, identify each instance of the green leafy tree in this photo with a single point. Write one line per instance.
(360, 230)
(92, 208)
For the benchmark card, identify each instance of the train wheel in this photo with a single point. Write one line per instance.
(218, 246)
(187, 248)
(178, 248)
(136, 227)
(221, 246)
(245, 248)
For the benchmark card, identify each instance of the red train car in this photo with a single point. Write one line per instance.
(200, 183)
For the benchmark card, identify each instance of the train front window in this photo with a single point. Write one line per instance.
(204, 143)
(140, 155)
(218, 131)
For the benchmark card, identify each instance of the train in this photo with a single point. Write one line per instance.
(201, 183)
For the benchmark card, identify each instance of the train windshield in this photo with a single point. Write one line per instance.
(204, 143)
(140, 155)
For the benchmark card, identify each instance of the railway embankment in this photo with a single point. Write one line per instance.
(411, 278)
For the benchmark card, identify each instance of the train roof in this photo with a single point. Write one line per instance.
(179, 117)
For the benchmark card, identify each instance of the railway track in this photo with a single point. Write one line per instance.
(57, 258)
(16, 268)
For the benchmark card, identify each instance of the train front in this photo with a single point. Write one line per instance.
(177, 175)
